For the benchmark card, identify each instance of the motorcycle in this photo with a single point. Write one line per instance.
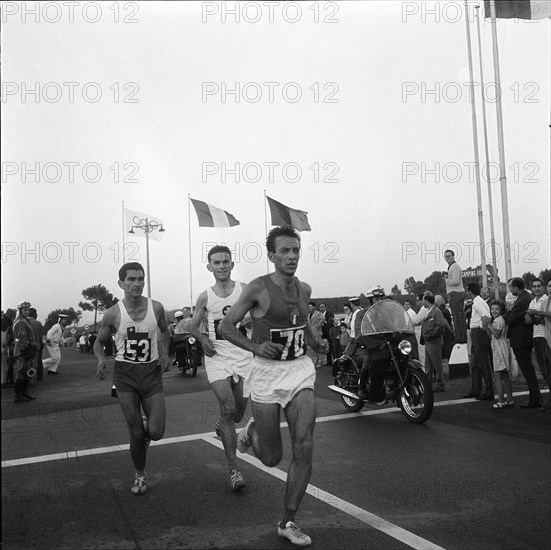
(188, 353)
(386, 334)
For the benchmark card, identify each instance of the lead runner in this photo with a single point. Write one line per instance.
(282, 375)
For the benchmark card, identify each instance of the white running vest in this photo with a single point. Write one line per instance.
(136, 341)
(216, 309)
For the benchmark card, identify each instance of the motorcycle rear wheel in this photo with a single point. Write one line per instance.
(416, 398)
(352, 405)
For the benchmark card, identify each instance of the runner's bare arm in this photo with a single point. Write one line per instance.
(196, 324)
(164, 341)
(228, 327)
(104, 336)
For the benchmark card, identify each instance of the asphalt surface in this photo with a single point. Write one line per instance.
(471, 477)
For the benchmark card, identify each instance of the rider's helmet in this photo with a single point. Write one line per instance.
(179, 314)
(375, 292)
(23, 304)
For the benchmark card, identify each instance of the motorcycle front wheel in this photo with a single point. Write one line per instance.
(193, 363)
(416, 398)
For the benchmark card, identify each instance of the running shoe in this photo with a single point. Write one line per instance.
(244, 440)
(217, 428)
(237, 481)
(139, 487)
(147, 440)
(294, 534)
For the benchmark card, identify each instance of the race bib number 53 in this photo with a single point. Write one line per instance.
(137, 347)
(292, 339)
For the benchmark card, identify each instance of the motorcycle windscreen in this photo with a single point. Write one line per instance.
(386, 316)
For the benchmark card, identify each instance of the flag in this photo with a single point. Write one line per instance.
(519, 9)
(211, 216)
(134, 220)
(283, 215)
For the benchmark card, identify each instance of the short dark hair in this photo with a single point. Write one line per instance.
(499, 303)
(420, 296)
(474, 288)
(283, 231)
(408, 300)
(536, 279)
(312, 303)
(429, 298)
(128, 267)
(33, 313)
(518, 282)
(448, 251)
(216, 249)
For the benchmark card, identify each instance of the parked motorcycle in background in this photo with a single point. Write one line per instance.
(188, 353)
(386, 335)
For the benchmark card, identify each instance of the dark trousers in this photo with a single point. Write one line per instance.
(39, 365)
(457, 302)
(524, 360)
(540, 347)
(481, 362)
(433, 359)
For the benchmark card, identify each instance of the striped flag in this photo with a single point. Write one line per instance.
(136, 222)
(519, 9)
(210, 216)
(284, 215)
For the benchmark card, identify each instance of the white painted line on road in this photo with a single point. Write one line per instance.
(370, 519)
(194, 437)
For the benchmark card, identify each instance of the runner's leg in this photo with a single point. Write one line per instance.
(265, 433)
(154, 409)
(223, 391)
(301, 416)
(239, 399)
(130, 406)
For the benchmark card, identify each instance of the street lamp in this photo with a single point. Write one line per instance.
(147, 226)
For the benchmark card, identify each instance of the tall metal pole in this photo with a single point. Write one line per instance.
(476, 159)
(189, 245)
(123, 234)
(147, 229)
(501, 146)
(489, 183)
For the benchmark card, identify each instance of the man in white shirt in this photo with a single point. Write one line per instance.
(456, 296)
(54, 339)
(481, 348)
(532, 318)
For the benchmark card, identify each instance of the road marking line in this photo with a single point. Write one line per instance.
(193, 437)
(394, 531)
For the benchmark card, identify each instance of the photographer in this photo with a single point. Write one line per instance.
(24, 351)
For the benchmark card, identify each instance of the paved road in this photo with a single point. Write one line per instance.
(471, 477)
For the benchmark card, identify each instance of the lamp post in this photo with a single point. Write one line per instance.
(147, 226)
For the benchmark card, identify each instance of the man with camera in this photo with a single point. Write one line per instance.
(24, 352)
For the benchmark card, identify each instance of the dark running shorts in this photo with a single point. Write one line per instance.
(143, 379)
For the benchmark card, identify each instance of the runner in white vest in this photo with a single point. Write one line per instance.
(135, 322)
(226, 365)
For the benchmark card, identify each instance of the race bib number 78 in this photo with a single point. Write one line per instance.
(292, 339)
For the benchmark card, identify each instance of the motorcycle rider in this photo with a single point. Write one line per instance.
(376, 388)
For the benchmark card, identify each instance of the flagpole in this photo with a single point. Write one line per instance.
(189, 246)
(485, 128)
(123, 234)
(476, 158)
(501, 147)
(266, 231)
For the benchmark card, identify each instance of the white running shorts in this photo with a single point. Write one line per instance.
(279, 381)
(228, 362)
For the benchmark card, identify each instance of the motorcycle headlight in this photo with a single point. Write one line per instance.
(405, 347)
(191, 340)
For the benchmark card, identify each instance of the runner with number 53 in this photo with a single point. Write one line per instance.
(142, 356)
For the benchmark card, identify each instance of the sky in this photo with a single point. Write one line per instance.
(356, 112)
